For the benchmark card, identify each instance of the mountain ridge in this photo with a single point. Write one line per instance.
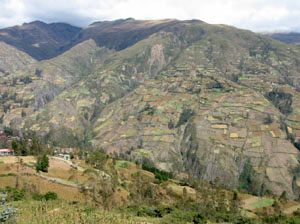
(39, 39)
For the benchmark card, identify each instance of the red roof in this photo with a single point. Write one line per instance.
(6, 150)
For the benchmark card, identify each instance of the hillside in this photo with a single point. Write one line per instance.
(289, 38)
(118, 191)
(38, 39)
(203, 101)
(12, 59)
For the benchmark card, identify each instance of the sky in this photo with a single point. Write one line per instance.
(255, 15)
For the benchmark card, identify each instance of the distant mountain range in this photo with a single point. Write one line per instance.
(290, 37)
(203, 101)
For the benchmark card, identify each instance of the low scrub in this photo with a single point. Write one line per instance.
(48, 196)
(159, 174)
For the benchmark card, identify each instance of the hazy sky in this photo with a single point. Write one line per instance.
(257, 15)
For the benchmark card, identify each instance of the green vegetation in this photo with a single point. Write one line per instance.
(262, 203)
(48, 196)
(159, 174)
(283, 101)
(186, 114)
(42, 163)
(13, 194)
(247, 178)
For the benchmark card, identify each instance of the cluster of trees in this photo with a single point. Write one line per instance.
(186, 114)
(159, 174)
(281, 100)
(26, 146)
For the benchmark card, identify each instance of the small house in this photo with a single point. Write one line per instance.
(64, 156)
(67, 157)
(6, 152)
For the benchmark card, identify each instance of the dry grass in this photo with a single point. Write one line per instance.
(28, 179)
(13, 159)
(58, 212)
(7, 182)
(37, 184)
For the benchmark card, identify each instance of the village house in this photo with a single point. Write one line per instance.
(64, 156)
(7, 152)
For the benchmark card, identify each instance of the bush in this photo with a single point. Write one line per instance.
(283, 101)
(37, 197)
(248, 178)
(149, 211)
(159, 174)
(199, 218)
(14, 194)
(48, 196)
(186, 114)
(268, 119)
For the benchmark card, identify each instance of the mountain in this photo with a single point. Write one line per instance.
(123, 33)
(38, 39)
(210, 102)
(45, 41)
(12, 59)
(290, 38)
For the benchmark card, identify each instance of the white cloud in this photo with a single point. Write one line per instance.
(248, 14)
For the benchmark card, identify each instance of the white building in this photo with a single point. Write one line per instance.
(6, 152)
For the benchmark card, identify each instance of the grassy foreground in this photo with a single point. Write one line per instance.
(59, 212)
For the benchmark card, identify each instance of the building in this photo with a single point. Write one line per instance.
(6, 152)
(64, 156)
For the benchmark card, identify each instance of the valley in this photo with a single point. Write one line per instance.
(207, 103)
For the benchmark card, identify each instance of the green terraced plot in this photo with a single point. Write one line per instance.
(262, 203)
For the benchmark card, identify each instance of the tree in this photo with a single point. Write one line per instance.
(268, 119)
(35, 148)
(23, 113)
(283, 196)
(42, 163)
(97, 159)
(101, 187)
(15, 146)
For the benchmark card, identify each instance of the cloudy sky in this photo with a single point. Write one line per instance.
(256, 15)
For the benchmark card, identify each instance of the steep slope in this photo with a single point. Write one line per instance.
(37, 84)
(38, 39)
(12, 59)
(194, 121)
(206, 101)
(289, 38)
(120, 73)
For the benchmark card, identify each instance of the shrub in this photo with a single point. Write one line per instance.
(149, 211)
(186, 114)
(14, 194)
(42, 163)
(199, 218)
(37, 197)
(48, 196)
(159, 174)
(268, 119)
(283, 101)
(247, 178)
